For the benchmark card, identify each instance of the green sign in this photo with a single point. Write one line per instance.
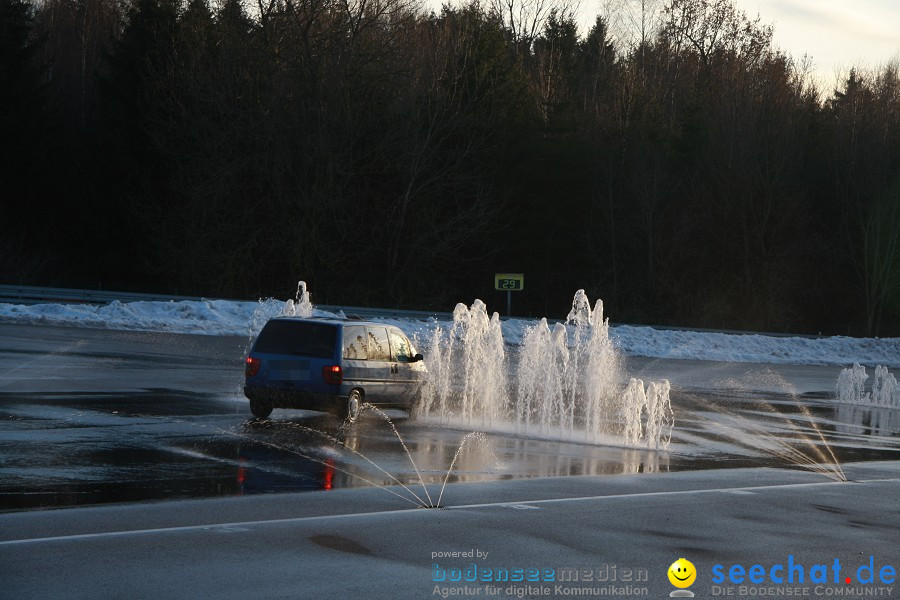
(509, 282)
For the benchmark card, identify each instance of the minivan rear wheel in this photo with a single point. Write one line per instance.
(352, 406)
(260, 408)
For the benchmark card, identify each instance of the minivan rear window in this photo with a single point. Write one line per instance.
(297, 337)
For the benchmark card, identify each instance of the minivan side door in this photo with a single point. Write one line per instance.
(355, 356)
(379, 365)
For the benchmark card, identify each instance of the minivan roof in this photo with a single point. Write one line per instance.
(330, 320)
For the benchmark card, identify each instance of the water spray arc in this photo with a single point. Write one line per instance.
(415, 467)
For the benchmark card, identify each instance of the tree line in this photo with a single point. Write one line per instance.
(671, 160)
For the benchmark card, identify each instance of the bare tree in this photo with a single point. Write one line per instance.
(633, 23)
(525, 19)
(707, 26)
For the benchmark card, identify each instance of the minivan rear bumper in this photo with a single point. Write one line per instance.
(283, 398)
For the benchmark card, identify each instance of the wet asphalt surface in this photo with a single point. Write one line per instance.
(93, 416)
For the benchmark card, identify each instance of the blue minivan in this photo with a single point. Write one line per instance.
(332, 365)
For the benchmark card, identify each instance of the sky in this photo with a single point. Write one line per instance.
(837, 34)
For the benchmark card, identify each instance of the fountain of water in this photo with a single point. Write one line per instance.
(564, 382)
(300, 306)
(435, 392)
(647, 414)
(540, 382)
(484, 387)
(885, 391)
(871, 412)
(466, 369)
(851, 387)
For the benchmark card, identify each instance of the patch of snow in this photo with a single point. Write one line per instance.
(228, 317)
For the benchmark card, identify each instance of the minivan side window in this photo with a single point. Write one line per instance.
(401, 350)
(355, 344)
(378, 344)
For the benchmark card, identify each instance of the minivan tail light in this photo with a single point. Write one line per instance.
(252, 367)
(333, 374)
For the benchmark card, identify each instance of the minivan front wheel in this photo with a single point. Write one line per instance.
(260, 408)
(350, 412)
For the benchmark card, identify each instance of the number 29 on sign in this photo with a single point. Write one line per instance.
(509, 282)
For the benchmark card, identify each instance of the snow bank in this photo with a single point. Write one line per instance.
(838, 350)
(226, 317)
(208, 317)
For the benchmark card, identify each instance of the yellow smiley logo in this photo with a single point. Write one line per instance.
(682, 573)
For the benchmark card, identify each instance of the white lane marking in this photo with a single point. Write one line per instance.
(226, 528)
(420, 511)
(748, 489)
(204, 527)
